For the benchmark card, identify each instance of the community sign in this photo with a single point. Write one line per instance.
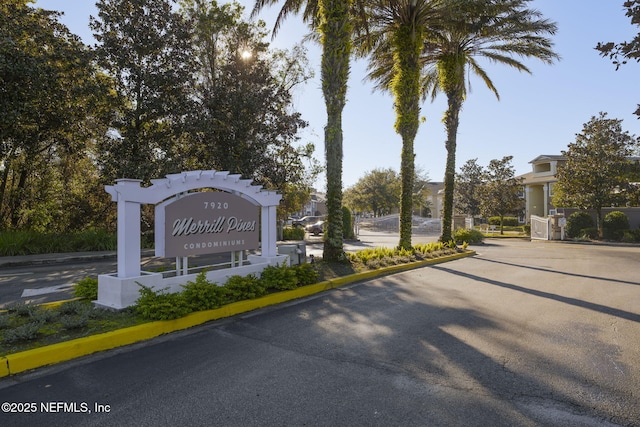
(205, 223)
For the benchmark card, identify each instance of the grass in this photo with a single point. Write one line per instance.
(24, 327)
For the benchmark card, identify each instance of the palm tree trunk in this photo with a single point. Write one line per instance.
(336, 50)
(406, 89)
(451, 121)
(451, 73)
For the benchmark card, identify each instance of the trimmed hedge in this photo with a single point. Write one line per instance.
(510, 221)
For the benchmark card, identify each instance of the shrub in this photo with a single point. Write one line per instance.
(306, 274)
(470, 236)
(21, 309)
(577, 222)
(293, 233)
(510, 221)
(588, 233)
(25, 242)
(240, 288)
(631, 236)
(202, 294)
(160, 305)
(74, 307)
(25, 332)
(44, 315)
(5, 321)
(279, 277)
(87, 288)
(74, 322)
(614, 225)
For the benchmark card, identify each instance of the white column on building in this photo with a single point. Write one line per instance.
(545, 189)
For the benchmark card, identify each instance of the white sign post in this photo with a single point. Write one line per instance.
(120, 290)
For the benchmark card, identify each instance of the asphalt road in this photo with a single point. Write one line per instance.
(523, 334)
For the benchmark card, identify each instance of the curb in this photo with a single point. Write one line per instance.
(15, 363)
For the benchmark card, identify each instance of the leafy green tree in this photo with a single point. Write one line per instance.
(245, 122)
(500, 194)
(146, 47)
(331, 18)
(50, 98)
(393, 34)
(497, 30)
(378, 191)
(596, 171)
(468, 183)
(620, 53)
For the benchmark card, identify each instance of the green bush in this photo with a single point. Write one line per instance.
(577, 222)
(26, 242)
(631, 236)
(25, 332)
(471, 236)
(279, 277)
(87, 288)
(293, 233)
(588, 233)
(202, 294)
(614, 225)
(161, 305)
(306, 274)
(510, 221)
(5, 321)
(240, 288)
(70, 322)
(74, 308)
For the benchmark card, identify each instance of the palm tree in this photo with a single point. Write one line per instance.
(332, 19)
(394, 35)
(497, 30)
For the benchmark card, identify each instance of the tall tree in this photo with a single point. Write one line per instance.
(393, 34)
(496, 30)
(620, 53)
(332, 20)
(596, 173)
(245, 122)
(468, 183)
(146, 47)
(49, 95)
(500, 192)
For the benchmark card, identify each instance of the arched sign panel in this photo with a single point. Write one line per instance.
(206, 223)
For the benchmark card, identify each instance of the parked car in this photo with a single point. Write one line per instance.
(306, 220)
(316, 228)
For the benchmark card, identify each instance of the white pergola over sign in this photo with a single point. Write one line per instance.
(121, 290)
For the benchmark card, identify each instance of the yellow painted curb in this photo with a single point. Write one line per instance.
(60, 352)
(4, 367)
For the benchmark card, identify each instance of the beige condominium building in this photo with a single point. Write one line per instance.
(538, 185)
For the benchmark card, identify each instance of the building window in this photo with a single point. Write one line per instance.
(542, 167)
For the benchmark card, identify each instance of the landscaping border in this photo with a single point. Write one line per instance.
(60, 352)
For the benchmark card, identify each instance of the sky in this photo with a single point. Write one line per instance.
(538, 113)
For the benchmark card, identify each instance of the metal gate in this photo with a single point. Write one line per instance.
(540, 227)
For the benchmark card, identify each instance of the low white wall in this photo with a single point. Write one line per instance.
(119, 293)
